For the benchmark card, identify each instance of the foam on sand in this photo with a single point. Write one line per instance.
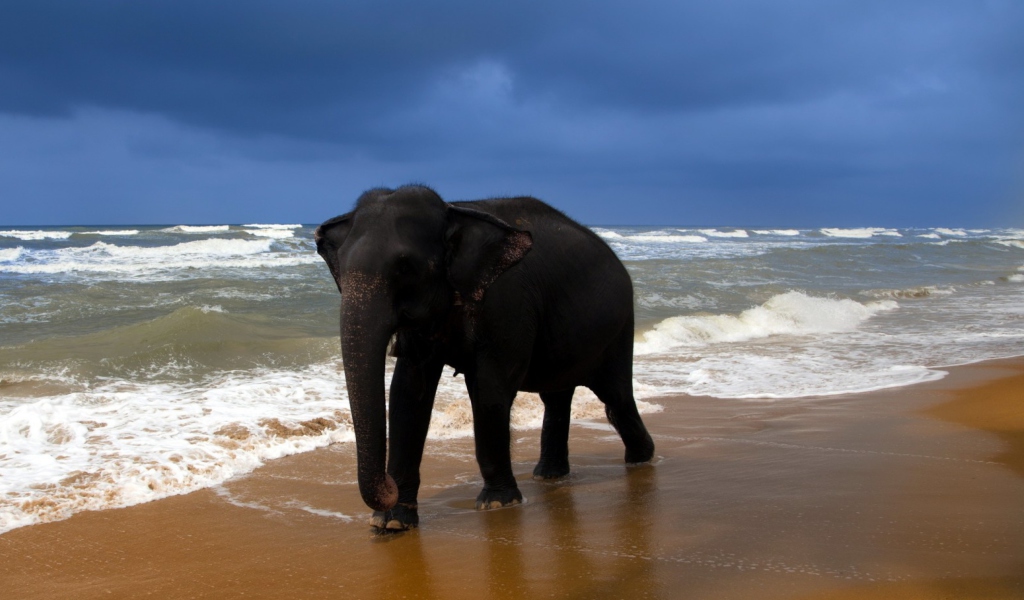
(126, 442)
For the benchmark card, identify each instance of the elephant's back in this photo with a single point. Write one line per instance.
(572, 288)
(556, 237)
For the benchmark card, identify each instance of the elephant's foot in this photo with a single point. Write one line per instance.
(400, 518)
(497, 498)
(551, 469)
(641, 452)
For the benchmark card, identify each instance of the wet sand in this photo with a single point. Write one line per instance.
(907, 493)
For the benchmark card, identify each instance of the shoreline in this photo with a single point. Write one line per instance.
(908, 492)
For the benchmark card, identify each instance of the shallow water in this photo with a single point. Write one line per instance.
(138, 362)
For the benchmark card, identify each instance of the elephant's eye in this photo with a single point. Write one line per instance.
(405, 266)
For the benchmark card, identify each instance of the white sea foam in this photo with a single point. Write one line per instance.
(786, 232)
(453, 415)
(795, 375)
(954, 232)
(735, 233)
(792, 313)
(1016, 278)
(198, 229)
(36, 235)
(846, 348)
(140, 262)
(930, 236)
(270, 232)
(925, 291)
(10, 254)
(110, 232)
(657, 237)
(667, 238)
(859, 233)
(271, 226)
(125, 442)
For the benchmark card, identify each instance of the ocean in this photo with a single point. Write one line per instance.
(146, 361)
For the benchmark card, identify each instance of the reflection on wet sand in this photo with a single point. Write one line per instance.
(507, 573)
(406, 569)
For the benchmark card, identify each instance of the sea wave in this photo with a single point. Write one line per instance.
(667, 238)
(10, 254)
(792, 313)
(735, 233)
(198, 229)
(859, 233)
(126, 442)
(786, 232)
(924, 291)
(110, 232)
(140, 262)
(188, 341)
(32, 235)
(271, 233)
(653, 236)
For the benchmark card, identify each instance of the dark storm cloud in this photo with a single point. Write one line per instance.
(734, 103)
(323, 68)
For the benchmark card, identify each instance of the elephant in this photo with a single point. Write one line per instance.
(508, 291)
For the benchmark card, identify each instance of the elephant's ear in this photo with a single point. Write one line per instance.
(480, 247)
(329, 237)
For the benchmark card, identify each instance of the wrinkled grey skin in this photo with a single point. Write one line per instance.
(510, 292)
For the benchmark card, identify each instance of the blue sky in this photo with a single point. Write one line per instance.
(784, 113)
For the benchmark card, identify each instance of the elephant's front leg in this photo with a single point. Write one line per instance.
(411, 401)
(492, 405)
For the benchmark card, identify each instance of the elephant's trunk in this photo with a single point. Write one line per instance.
(366, 327)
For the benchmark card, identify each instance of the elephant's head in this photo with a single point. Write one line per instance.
(400, 260)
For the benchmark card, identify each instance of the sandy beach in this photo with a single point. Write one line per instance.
(911, 492)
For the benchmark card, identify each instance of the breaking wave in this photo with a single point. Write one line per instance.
(859, 233)
(143, 261)
(792, 313)
(198, 229)
(36, 235)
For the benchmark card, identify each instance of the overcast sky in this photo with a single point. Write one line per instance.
(781, 113)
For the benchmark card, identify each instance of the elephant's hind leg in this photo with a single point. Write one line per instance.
(614, 387)
(554, 437)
